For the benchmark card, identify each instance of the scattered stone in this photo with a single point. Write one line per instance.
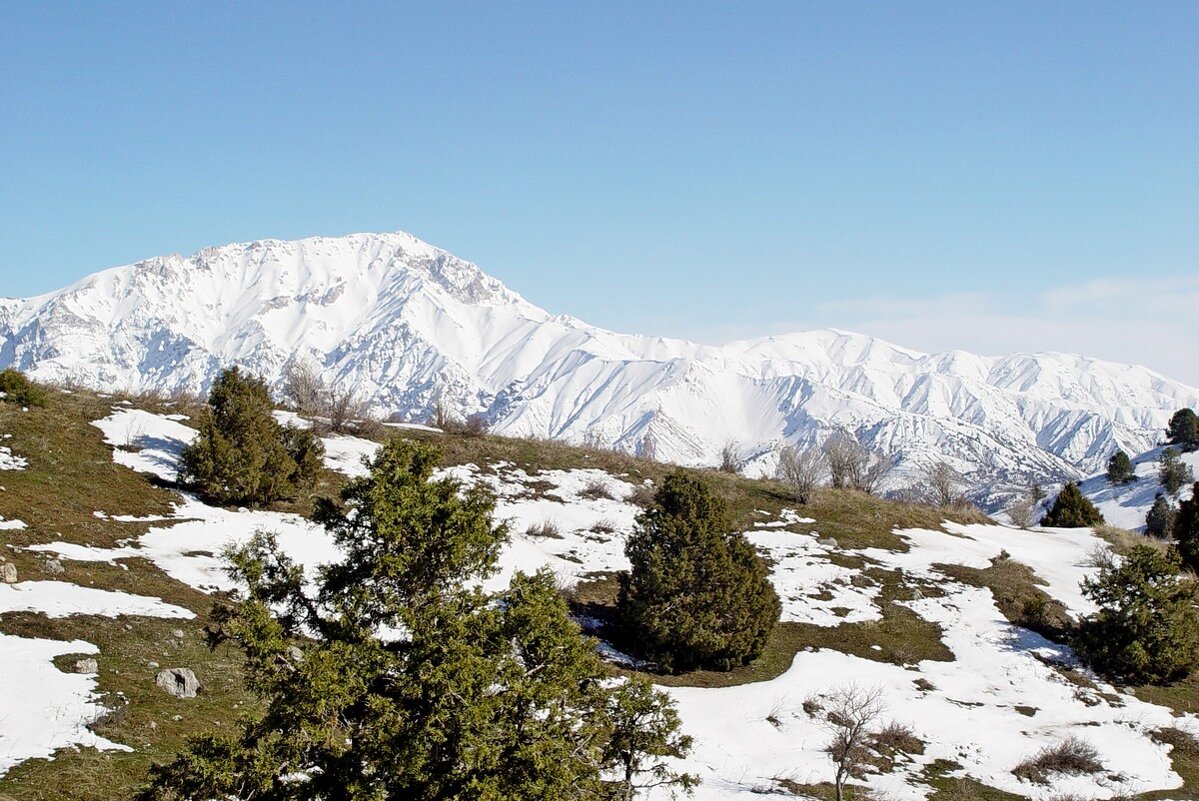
(294, 653)
(179, 682)
(8, 573)
(176, 718)
(152, 664)
(152, 725)
(828, 542)
(177, 634)
(86, 666)
(53, 567)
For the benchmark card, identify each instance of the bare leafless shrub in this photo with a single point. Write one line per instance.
(896, 737)
(941, 484)
(604, 526)
(595, 489)
(730, 458)
(853, 466)
(476, 425)
(441, 415)
(545, 530)
(341, 407)
(1071, 756)
(804, 470)
(1020, 511)
(851, 711)
(304, 387)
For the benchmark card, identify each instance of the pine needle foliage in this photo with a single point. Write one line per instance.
(1147, 626)
(1072, 509)
(392, 677)
(242, 455)
(1185, 529)
(1184, 429)
(1120, 469)
(697, 594)
(18, 389)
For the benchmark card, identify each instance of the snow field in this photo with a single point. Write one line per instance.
(966, 711)
(43, 708)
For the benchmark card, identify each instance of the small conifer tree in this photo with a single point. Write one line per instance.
(1186, 530)
(697, 594)
(1072, 509)
(18, 389)
(395, 677)
(1159, 522)
(1147, 626)
(1172, 472)
(1119, 469)
(242, 454)
(1184, 429)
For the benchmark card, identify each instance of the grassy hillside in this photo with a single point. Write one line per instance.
(71, 477)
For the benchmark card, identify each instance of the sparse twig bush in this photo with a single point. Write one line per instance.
(730, 458)
(545, 530)
(1072, 756)
(595, 489)
(852, 710)
(853, 466)
(802, 469)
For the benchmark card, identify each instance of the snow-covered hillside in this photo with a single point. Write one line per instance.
(995, 697)
(1125, 505)
(405, 323)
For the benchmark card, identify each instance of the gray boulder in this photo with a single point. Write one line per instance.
(8, 573)
(179, 682)
(86, 666)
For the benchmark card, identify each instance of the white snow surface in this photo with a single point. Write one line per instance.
(10, 461)
(1126, 505)
(968, 715)
(61, 599)
(42, 708)
(405, 323)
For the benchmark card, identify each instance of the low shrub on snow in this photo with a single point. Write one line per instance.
(1071, 756)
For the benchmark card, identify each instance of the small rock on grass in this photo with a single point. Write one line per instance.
(179, 682)
(86, 666)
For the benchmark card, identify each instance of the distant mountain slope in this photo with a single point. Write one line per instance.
(405, 323)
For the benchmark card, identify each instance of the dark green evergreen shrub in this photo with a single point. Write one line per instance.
(1172, 472)
(1119, 469)
(1184, 429)
(395, 677)
(1186, 530)
(1159, 522)
(18, 389)
(1072, 509)
(242, 454)
(697, 594)
(1147, 626)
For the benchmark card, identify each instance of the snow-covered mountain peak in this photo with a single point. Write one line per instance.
(406, 324)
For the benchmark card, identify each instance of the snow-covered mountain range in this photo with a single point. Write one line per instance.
(405, 323)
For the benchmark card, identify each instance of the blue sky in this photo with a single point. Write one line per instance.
(992, 176)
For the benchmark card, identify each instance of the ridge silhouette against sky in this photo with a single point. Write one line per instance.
(1013, 177)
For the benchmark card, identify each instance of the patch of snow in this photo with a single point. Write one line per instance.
(42, 708)
(11, 525)
(9, 461)
(349, 455)
(146, 442)
(1060, 557)
(61, 599)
